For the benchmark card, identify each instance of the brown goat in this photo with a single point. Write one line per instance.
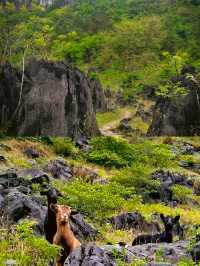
(64, 236)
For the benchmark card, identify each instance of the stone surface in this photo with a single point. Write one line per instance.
(16, 206)
(9, 179)
(167, 180)
(180, 116)
(82, 144)
(37, 175)
(171, 252)
(98, 96)
(133, 220)
(172, 178)
(89, 255)
(57, 100)
(59, 170)
(81, 229)
(125, 126)
(32, 153)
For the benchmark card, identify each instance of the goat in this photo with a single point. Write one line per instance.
(166, 236)
(50, 226)
(64, 236)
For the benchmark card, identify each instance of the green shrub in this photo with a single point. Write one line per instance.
(24, 247)
(46, 140)
(116, 152)
(181, 193)
(106, 158)
(111, 151)
(135, 175)
(97, 201)
(63, 146)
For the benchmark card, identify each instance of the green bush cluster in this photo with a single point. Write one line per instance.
(116, 152)
(110, 151)
(98, 201)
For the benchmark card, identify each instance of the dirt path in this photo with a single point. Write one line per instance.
(108, 129)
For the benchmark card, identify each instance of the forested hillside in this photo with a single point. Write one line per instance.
(127, 44)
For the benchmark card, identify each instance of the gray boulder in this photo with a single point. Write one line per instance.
(81, 229)
(16, 206)
(89, 255)
(59, 170)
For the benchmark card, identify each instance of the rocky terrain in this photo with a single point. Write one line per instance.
(31, 104)
(106, 230)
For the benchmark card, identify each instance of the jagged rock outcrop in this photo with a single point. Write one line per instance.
(98, 96)
(56, 100)
(180, 116)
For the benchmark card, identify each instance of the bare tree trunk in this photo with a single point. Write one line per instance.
(21, 87)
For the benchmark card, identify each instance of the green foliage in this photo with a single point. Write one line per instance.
(24, 247)
(133, 176)
(171, 90)
(116, 152)
(110, 151)
(106, 158)
(131, 43)
(63, 146)
(98, 201)
(181, 193)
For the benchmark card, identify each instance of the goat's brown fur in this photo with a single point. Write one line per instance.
(64, 236)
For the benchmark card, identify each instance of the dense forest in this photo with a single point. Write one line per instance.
(126, 44)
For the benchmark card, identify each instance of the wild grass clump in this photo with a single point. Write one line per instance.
(22, 246)
(63, 146)
(98, 201)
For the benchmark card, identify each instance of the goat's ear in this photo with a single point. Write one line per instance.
(176, 219)
(54, 207)
(162, 217)
(73, 212)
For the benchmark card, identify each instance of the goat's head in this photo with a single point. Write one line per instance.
(169, 222)
(52, 194)
(63, 213)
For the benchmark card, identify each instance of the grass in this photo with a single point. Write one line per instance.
(112, 117)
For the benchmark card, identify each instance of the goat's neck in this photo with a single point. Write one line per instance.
(51, 213)
(168, 235)
(64, 228)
